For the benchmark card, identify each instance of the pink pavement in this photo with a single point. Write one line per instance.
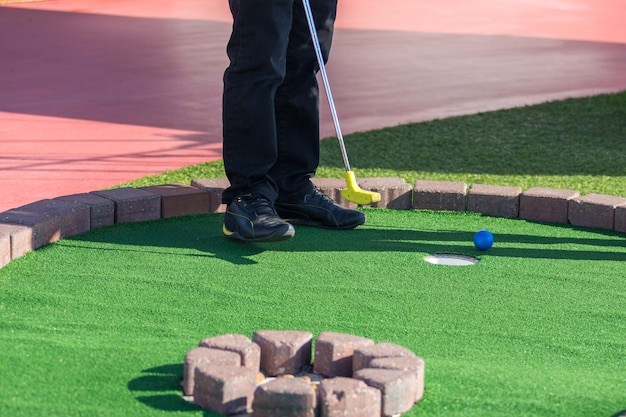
(94, 92)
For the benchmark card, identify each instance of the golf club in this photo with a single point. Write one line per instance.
(353, 192)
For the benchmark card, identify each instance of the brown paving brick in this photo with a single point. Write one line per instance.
(494, 200)
(202, 355)
(546, 204)
(133, 205)
(620, 219)
(595, 210)
(439, 195)
(21, 239)
(75, 217)
(181, 200)
(215, 187)
(5, 248)
(249, 352)
(397, 387)
(334, 352)
(395, 193)
(414, 365)
(50, 220)
(348, 397)
(284, 397)
(364, 355)
(101, 210)
(224, 389)
(283, 351)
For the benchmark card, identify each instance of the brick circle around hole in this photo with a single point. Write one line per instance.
(271, 375)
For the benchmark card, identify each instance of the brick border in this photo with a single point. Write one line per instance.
(384, 380)
(26, 228)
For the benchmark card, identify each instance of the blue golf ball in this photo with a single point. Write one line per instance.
(483, 240)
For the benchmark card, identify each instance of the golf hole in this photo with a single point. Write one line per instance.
(451, 259)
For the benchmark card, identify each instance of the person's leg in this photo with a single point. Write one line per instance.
(257, 56)
(257, 52)
(297, 101)
(297, 121)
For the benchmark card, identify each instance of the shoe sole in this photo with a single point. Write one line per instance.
(305, 222)
(271, 238)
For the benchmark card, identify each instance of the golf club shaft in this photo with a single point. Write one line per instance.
(320, 61)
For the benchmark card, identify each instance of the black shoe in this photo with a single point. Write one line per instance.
(252, 218)
(317, 209)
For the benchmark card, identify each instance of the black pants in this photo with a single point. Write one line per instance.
(271, 97)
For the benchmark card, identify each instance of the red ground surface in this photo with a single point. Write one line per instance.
(94, 92)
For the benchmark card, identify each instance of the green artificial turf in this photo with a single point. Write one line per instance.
(576, 144)
(99, 324)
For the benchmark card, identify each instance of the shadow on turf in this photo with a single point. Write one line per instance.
(160, 388)
(202, 234)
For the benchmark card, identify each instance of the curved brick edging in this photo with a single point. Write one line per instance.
(272, 375)
(34, 225)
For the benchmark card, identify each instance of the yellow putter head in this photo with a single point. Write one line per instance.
(356, 194)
